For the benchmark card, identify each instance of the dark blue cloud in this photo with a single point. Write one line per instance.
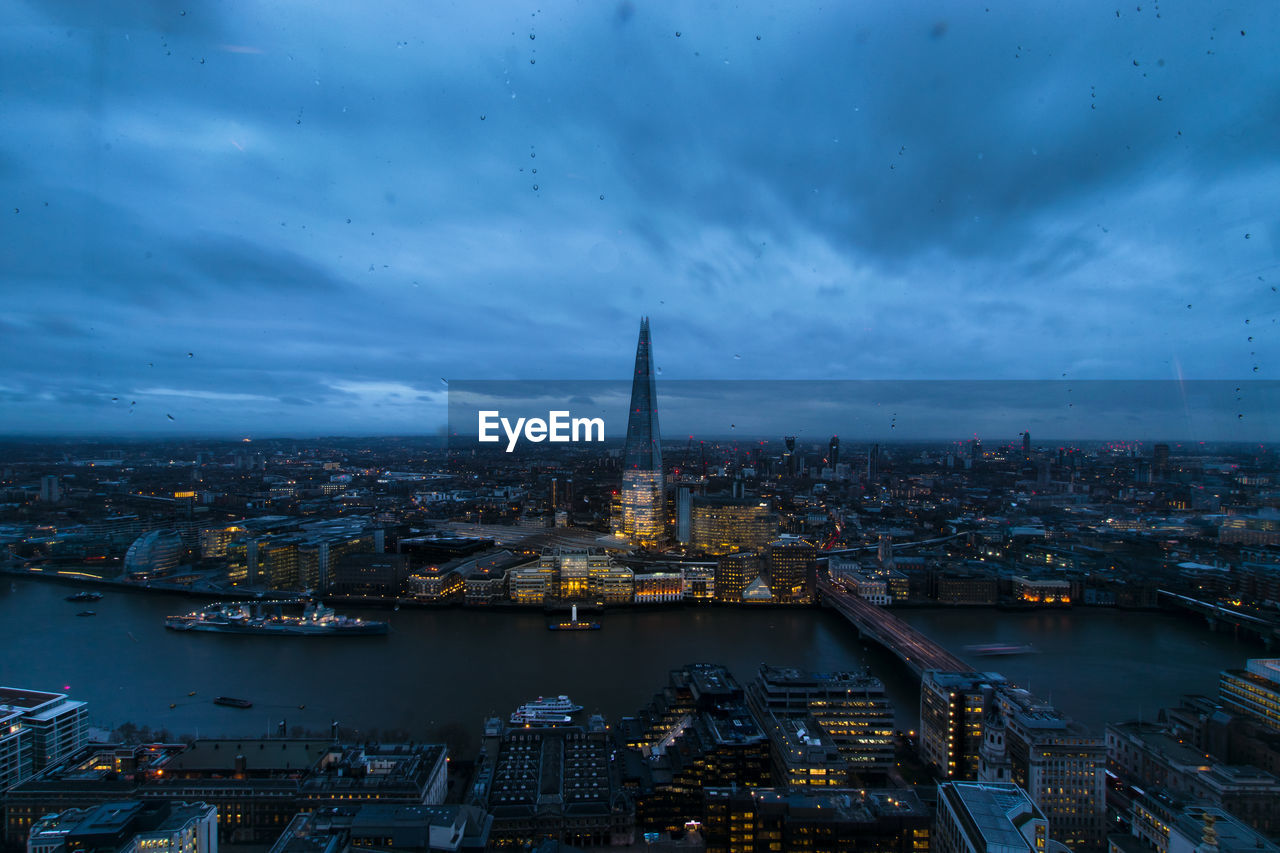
(339, 206)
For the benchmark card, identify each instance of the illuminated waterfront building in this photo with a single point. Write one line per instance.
(643, 510)
(792, 566)
(531, 584)
(611, 584)
(1254, 691)
(722, 525)
(734, 573)
(153, 554)
(37, 729)
(214, 540)
(658, 587)
(699, 582)
(573, 568)
(1041, 590)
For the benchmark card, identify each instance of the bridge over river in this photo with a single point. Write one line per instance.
(910, 646)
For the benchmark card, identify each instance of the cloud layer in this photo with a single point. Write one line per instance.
(298, 219)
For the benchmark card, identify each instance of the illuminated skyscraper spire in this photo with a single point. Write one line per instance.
(644, 445)
(642, 482)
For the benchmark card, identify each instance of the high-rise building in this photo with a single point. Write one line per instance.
(873, 464)
(833, 452)
(1160, 460)
(988, 818)
(953, 706)
(643, 505)
(789, 457)
(50, 489)
(1026, 444)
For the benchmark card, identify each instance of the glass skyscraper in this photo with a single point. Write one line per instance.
(642, 521)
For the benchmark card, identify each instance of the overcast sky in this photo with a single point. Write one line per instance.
(302, 218)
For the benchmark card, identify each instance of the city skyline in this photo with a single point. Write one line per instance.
(238, 223)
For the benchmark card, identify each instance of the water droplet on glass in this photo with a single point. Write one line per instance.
(677, 34)
(534, 171)
(533, 153)
(533, 61)
(602, 196)
(170, 417)
(757, 38)
(659, 369)
(191, 355)
(735, 355)
(535, 186)
(532, 36)
(1247, 236)
(482, 118)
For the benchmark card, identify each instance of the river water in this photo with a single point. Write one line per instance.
(439, 673)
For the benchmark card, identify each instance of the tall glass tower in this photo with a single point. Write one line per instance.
(643, 507)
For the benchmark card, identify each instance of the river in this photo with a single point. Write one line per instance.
(439, 673)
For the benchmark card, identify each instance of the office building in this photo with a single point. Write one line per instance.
(792, 566)
(953, 706)
(400, 827)
(734, 573)
(257, 784)
(37, 729)
(643, 506)
(723, 525)
(977, 817)
(1059, 764)
(1253, 691)
(154, 554)
(132, 826)
(852, 709)
(551, 782)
